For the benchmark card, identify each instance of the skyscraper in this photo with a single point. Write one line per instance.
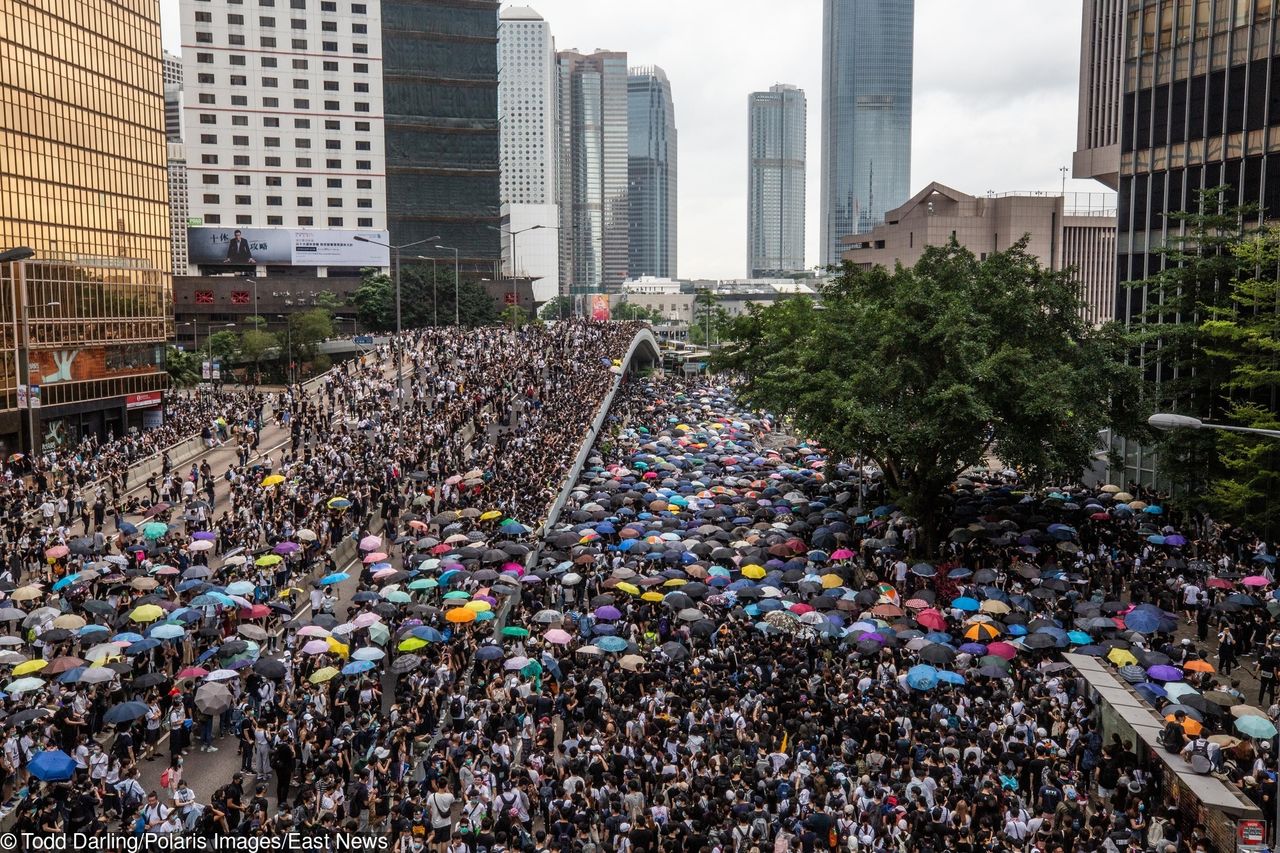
(866, 115)
(594, 214)
(440, 94)
(651, 173)
(775, 181)
(1097, 153)
(82, 184)
(528, 143)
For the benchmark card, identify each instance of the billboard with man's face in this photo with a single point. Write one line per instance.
(286, 247)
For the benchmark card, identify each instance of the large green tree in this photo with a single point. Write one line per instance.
(183, 367)
(375, 300)
(557, 308)
(931, 369)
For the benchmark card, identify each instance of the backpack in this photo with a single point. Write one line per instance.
(166, 777)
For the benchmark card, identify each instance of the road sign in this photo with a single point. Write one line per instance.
(365, 340)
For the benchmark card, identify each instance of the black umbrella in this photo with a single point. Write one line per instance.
(148, 679)
(268, 668)
(405, 663)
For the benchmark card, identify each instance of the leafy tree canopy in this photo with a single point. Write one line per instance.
(420, 303)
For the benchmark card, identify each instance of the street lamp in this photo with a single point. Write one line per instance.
(395, 261)
(515, 298)
(1167, 421)
(26, 336)
(456, 286)
(288, 349)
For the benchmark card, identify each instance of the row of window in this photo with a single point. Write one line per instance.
(303, 221)
(299, 163)
(270, 43)
(206, 37)
(327, 65)
(299, 181)
(325, 6)
(278, 201)
(329, 86)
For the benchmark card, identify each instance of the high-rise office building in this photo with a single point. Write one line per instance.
(440, 88)
(1200, 108)
(528, 144)
(651, 173)
(172, 97)
(82, 185)
(177, 164)
(775, 181)
(1101, 55)
(594, 213)
(866, 115)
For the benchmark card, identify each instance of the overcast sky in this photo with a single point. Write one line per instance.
(995, 96)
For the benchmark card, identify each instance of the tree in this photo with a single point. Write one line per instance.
(376, 303)
(931, 369)
(183, 367)
(710, 321)
(557, 308)
(626, 311)
(514, 315)
(223, 345)
(254, 345)
(1187, 372)
(306, 331)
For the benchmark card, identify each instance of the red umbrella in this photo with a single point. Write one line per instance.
(1219, 583)
(257, 611)
(932, 619)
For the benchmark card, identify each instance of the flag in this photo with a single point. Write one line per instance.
(783, 748)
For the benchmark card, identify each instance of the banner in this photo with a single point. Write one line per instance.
(599, 306)
(286, 247)
(22, 396)
(33, 396)
(144, 400)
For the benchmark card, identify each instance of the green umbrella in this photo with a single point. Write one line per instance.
(379, 633)
(154, 529)
(423, 583)
(515, 631)
(456, 595)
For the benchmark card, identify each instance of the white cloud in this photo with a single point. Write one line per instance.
(995, 95)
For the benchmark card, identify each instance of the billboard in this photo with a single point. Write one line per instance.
(599, 309)
(286, 247)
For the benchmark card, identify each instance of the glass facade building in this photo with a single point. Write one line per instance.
(651, 173)
(83, 183)
(775, 181)
(440, 99)
(1200, 108)
(592, 168)
(866, 115)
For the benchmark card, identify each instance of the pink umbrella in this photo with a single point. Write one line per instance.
(800, 607)
(315, 647)
(557, 636)
(841, 554)
(375, 557)
(370, 543)
(383, 573)
(57, 552)
(1002, 650)
(1255, 580)
(364, 620)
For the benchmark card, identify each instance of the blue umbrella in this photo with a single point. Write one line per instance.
(142, 646)
(946, 676)
(357, 666)
(168, 632)
(960, 573)
(489, 653)
(127, 528)
(1143, 621)
(336, 577)
(53, 765)
(611, 644)
(1151, 692)
(65, 582)
(922, 677)
(964, 602)
(1250, 725)
(1079, 638)
(431, 635)
(124, 712)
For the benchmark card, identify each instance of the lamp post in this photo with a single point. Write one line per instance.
(288, 349)
(1167, 421)
(457, 288)
(208, 344)
(515, 297)
(13, 257)
(26, 336)
(395, 266)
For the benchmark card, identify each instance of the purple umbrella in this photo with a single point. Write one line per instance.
(609, 612)
(974, 649)
(204, 534)
(1177, 540)
(286, 548)
(1163, 672)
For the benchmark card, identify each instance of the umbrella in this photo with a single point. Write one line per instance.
(1252, 726)
(213, 698)
(268, 668)
(125, 712)
(922, 677)
(52, 765)
(323, 674)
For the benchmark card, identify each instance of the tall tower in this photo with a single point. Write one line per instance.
(594, 214)
(866, 115)
(775, 181)
(528, 148)
(1101, 62)
(651, 173)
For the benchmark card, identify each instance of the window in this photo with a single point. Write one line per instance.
(363, 145)
(266, 21)
(301, 84)
(212, 198)
(365, 222)
(334, 183)
(208, 179)
(360, 29)
(204, 17)
(239, 140)
(332, 124)
(267, 3)
(212, 219)
(209, 159)
(240, 121)
(331, 46)
(297, 4)
(357, 8)
(240, 160)
(364, 164)
(303, 182)
(274, 181)
(330, 66)
(244, 219)
(328, 6)
(364, 203)
(302, 220)
(362, 126)
(268, 62)
(238, 59)
(239, 100)
(270, 82)
(304, 201)
(302, 103)
(204, 38)
(205, 78)
(267, 41)
(271, 142)
(274, 201)
(302, 162)
(244, 200)
(206, 98)
(271, 121)
(239, 80)
(242, 180)
(331, 85)
(208, 139)
(275, 220)
(298, 23)
(361, 87)
(272, 162)
(359, 47)
(300, 65)
(208, 118)
(271, 103)
(302, 123)
(362, 106)
(360, 67)
(235, 40)
(331, 105)
(299, 44)
(328, 26)
(302, 143)
(364, 184)
(235, 20)
(206, 58)
(335, 221)
(333, 164)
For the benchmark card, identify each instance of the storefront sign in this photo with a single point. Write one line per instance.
(144, 401)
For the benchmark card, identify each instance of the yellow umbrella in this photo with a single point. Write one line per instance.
(25, 593)
(272, 480)
(652, 596)
(268, 560)
(992, 605)
(337, 647)
(146, 613)
(411, 644)
(460, 615)
(490, 515)
(981, 632)
(478, 606)
(28, 667)
(676, 582)
(753, 572)
(629, 588)
(831, 580)
(320, 676)
(1121, 657)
